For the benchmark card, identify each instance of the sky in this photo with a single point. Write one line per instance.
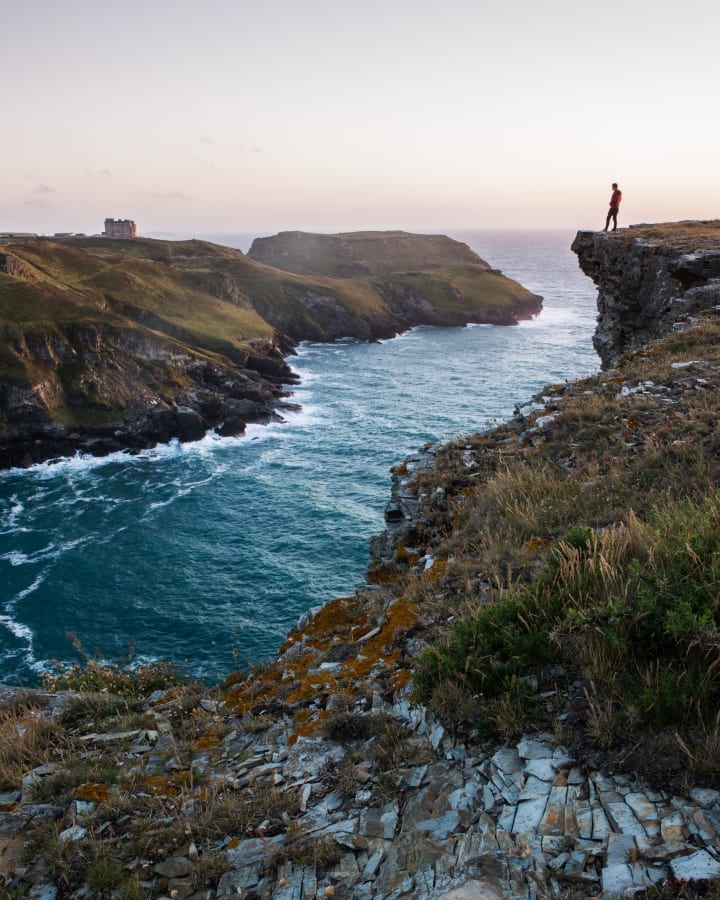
(236, 116)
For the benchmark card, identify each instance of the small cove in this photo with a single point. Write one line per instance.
(207, 553)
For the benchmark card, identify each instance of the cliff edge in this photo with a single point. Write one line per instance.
(648, 277)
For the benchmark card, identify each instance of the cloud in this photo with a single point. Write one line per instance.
(204, 162)
(242, 149)
(44, 189)
(37, 204)
(172, 195)
(206, 140)
(105, 173)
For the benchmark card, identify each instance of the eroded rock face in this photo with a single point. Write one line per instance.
(142, 388)
(648, 278)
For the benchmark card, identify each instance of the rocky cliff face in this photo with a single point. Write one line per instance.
(648, 278)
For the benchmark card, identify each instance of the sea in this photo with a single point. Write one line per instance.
(206, 554)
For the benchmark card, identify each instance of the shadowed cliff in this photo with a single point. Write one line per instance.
(647, 277)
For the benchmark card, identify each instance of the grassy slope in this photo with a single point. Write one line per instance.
(584, 557)
(435, 266)
(379, 252)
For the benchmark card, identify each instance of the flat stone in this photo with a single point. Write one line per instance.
(482, 889)
(508, 791)
(528, 815)
(601, 827)
(441, 827)
(372, 865)
(575, 866)
(584, 817)
(672, 827)
(507, 760)
(616, 880)
(174, 867)
(623, 819)
(43, 892)
(704, 796)
(436, 736)
(108, 737)
(699, 866)
(251, 851)
(666, 851)
(533, 749)
(644, 809)
(543, 768)
(74, 833)
(417, 777)
(506, 819)
(699, 823)
(289, 883)
(389, 821)
(621, 848)
(553, 820)
(559, 861)
(465, 797)
(534, 787)
(489, 800)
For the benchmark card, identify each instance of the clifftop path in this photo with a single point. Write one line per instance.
(649, 276)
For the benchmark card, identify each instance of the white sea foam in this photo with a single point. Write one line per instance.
(51, 551)
(15, 558)
(551, 316)
(17, 629)
(31, 588)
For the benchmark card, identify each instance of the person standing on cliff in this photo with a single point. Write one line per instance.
(615, 199)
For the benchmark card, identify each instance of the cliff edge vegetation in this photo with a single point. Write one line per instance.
(118, 344)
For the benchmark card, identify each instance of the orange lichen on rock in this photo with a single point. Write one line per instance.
(206, 742)
(379, 573)
(437, 571)
(92, 792)
(162, 786)
(406, 554)
(308, 723)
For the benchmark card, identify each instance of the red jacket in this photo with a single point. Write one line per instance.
(615, 199)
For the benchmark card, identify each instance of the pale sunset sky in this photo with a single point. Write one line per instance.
(238, 116)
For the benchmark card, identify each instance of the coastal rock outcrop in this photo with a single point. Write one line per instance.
(648, 277)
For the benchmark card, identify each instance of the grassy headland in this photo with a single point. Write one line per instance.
(97, 333)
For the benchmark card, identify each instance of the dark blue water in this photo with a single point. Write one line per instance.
(207, 553)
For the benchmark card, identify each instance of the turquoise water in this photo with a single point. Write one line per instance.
(207, 553)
